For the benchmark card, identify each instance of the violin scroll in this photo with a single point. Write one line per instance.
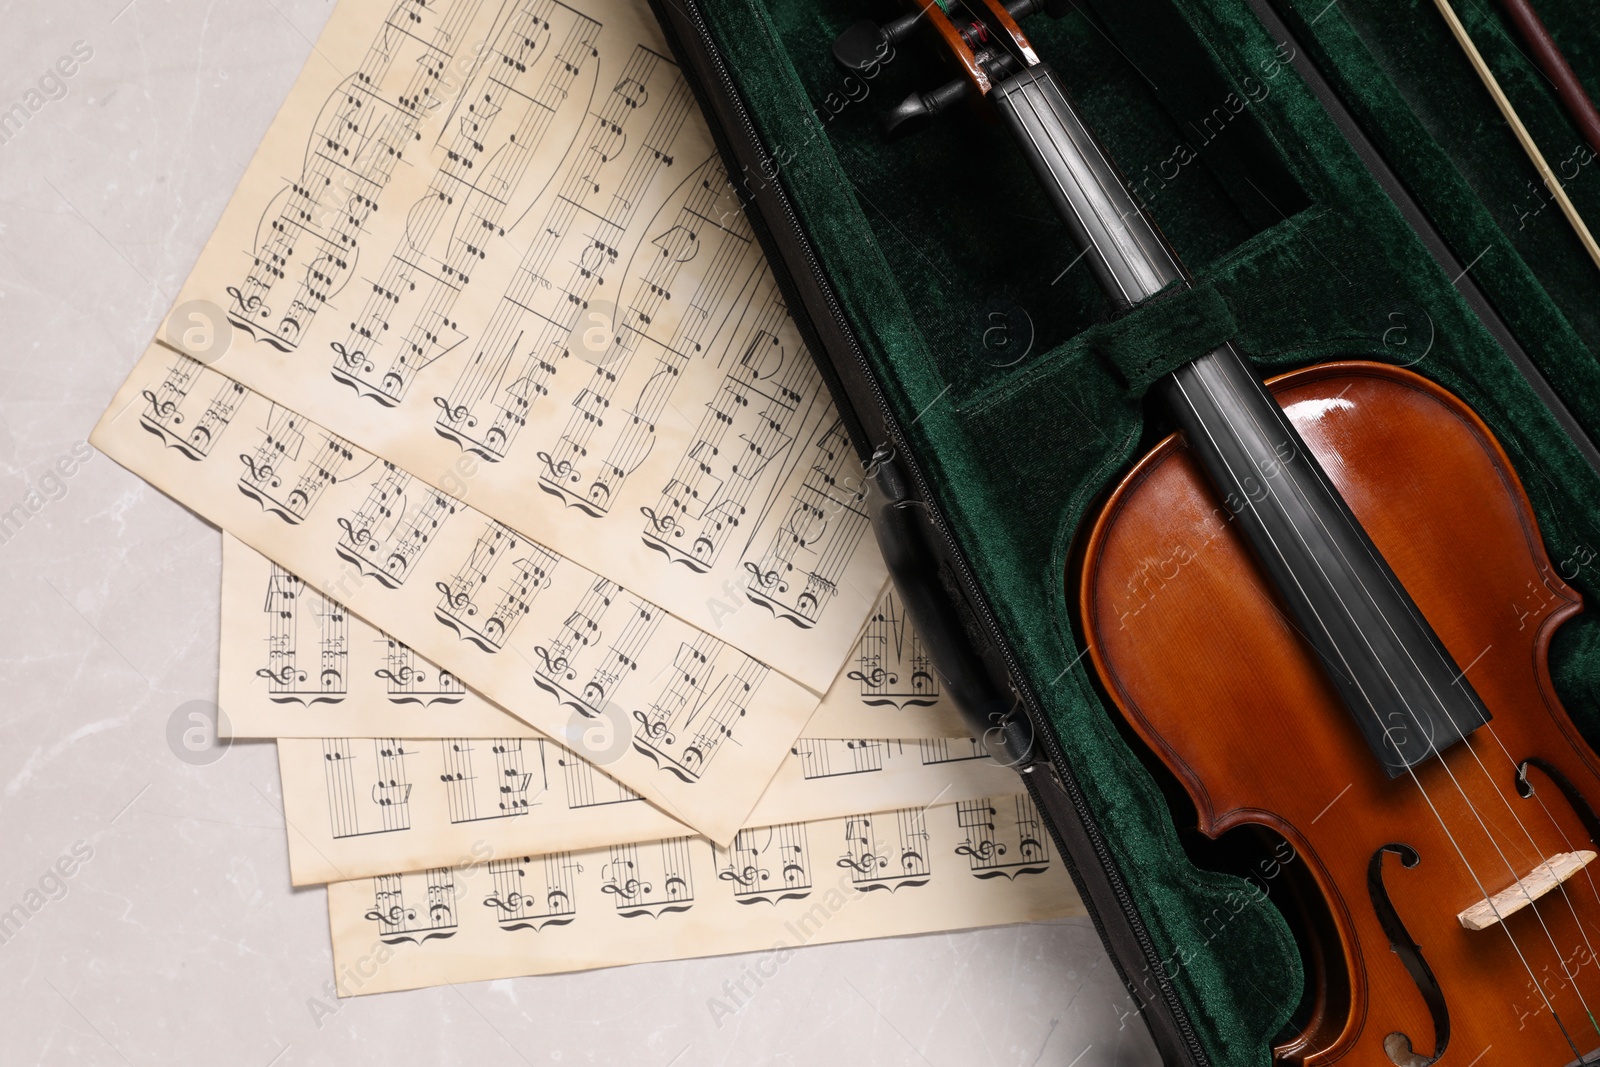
(982, 39)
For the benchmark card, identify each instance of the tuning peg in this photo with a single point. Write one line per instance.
(918, 109)
(866, 43)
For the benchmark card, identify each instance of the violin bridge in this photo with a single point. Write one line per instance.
(1541, 880)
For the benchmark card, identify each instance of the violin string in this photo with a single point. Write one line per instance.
(1012, 92)
(1494, 787)
(1588, 872)
(1433, 748)
(1565, 839)
(1416, 780)
(1128, 299)
(1472, 808)
(1538, 856)
(1539, 860)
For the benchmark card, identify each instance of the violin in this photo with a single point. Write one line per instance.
(1369, 699)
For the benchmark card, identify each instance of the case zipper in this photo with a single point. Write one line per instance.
(1056, 762)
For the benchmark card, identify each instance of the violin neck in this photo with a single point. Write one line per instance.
(1122, 247)
(1405, 692)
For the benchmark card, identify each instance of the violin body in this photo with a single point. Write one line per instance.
(1196, 650)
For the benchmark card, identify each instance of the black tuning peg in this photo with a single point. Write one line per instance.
(918, 109)
(866, 43)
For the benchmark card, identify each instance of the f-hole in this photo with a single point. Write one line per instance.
(1399, 1046)
(1586, 814)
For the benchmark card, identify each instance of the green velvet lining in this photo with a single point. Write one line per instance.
(1302, 259)
(1402, 73)
(1156, 339)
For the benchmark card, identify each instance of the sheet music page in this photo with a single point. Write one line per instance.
(986, 862)
(490, 241)
(888, 687)
(700, 727)
(365, 806)
(384, 688)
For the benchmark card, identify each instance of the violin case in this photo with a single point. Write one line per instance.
(1341, 186)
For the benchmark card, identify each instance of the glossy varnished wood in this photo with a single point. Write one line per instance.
(955, 48)
(1002, 20)
(1198, 655)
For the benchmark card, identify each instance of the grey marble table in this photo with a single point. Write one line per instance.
(161, 927)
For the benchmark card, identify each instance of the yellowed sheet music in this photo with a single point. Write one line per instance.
(385, 689)
(491, 242)
(888, 687)
(699, 726)
(982, 863)
(363, 806)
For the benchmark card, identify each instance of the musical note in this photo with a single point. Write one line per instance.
(1005, 838)
(579, 639)
(826, 758)
(649, 880)
(410, 679)
(797, 576)
(707, 226)
(309, 234)
(889, 851)
(768, 864)
(433, 918)
(509, 790)
(367, 789)
(515, 357)
(724, 484)
(393, 527)
(698, 709)
(288, 604)
(495, 588)
(532, 893)
(891, 664)
(170, 407)
(508, 122)
(287, 479)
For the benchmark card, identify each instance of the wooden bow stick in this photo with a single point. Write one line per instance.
(1555, 66)
(1526, 140)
